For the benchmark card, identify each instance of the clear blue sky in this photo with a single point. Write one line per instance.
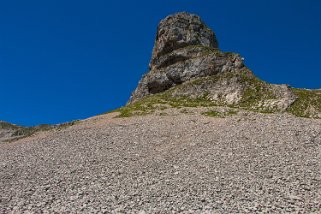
(71, 59)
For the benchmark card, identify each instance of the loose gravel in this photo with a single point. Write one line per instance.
(175, 163)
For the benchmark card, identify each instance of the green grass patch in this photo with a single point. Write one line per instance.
(212, 114)
(255, 92)
(161, 101)
(256, 96)
(220, 114)
(306, 101)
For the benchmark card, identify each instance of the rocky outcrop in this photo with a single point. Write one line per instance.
(187, 62)
(179, 31)
(183, 65)
(185, 48)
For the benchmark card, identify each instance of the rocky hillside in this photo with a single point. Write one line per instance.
(189, 160)
(187, 65)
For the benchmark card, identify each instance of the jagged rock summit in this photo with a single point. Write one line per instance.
(179, 31)
(185, 48)
(187, 67)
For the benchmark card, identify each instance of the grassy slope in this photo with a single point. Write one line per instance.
(308, 100)
(255, 92)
